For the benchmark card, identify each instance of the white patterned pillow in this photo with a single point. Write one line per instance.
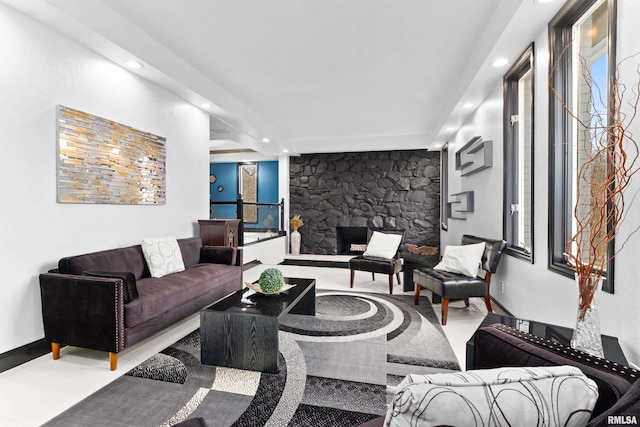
(550, 395)
(163, 256)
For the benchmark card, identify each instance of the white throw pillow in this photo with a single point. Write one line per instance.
(163, 256)
(550, 395)
(463, 259)
(383, 245)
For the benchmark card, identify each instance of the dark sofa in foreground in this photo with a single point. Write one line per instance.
(499, 346)
(618, 386)
(108, 301)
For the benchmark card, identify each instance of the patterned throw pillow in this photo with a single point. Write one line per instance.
(163, 256)
(539, 396)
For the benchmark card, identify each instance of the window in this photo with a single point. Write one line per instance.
(582, 43)
(518, 157)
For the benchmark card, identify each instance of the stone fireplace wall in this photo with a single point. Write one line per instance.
(382, 189)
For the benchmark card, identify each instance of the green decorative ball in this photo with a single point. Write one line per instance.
(271, 280)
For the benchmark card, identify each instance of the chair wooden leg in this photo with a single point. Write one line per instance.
(113, 361)
(55, 350)
(487, 298)
(353, 273)
(487, 302)
(466, 302)
(373, 276)
(445, 310)
(390, 284)
(398, 277)
(416, 294)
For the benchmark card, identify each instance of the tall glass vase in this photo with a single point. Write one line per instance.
(586, 335)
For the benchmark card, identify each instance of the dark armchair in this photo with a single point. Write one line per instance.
(447, 286)
(376, 264)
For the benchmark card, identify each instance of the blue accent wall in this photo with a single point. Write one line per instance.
(227, 177)
(268, 182)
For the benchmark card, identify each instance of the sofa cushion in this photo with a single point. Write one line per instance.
(190, 249)
(159, 295)
(163, 256)
(627, 407)
(130, 289)
(557, 395)
(218, 255)
(121, 259)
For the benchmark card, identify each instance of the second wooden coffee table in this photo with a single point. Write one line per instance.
(241, 330)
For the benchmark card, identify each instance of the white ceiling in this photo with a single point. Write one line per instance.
(312, 75)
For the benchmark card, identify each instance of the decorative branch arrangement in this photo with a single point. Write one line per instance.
(296, 222)
(609, 161)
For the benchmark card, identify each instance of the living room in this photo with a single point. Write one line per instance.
(54, 66)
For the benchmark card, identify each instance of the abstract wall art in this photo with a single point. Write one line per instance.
(101, 161)
(248, 187)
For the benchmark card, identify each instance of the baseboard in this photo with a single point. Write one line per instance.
(315, 263)
(501, 307)
(26, 353)
(251, 264)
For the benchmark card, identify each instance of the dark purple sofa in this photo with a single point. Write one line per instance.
(618, 386)
(108, 301)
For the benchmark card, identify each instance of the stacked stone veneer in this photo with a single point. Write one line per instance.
(384, 189)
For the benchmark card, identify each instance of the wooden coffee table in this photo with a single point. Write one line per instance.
(241, 330)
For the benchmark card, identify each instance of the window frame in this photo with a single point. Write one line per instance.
(524, 64)
(444, 186)
(560, 158)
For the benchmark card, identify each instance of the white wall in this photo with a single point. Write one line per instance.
(531, 290)
(40, 69)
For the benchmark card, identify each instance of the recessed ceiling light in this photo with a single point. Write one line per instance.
(500, 62)
(133, 64)
(450, 129)
(285, 151)
(205, 105)
(438, 145)
(544, 1)
(266, 140)
(467, 105)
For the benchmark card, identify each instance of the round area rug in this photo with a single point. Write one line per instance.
(346, 317)
(337, 368)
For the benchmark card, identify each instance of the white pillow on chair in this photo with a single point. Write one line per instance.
(383, 245)
(463, 259)
(549, 395)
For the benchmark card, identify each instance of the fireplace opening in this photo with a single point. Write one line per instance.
(351, 240)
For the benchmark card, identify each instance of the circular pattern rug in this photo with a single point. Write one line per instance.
(337, 368)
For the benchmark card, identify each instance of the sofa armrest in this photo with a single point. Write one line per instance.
(83, 311)
(221, 255)
(499, 345)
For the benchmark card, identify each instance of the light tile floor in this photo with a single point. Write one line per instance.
(35, 392)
